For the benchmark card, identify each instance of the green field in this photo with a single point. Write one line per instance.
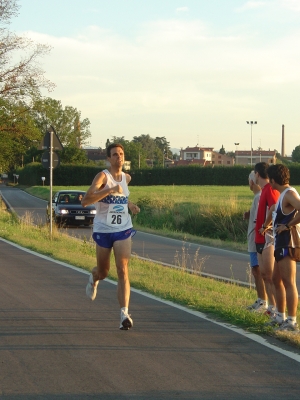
(203, 214)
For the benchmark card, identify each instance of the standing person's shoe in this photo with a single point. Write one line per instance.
(288, 325)
(274, 322)
(126, 321)
(261, 308)
(91, 288)
(254, 305)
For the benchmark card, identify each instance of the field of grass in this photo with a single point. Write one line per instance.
(213, 212)
(221, 301)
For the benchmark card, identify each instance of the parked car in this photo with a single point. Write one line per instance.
(67, 209)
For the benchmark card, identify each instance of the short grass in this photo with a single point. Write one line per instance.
(221, 301)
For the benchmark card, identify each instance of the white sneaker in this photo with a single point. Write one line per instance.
(254, 305)
(91, 288)
(275, 321)
(260, 308)
(288, 325)
(126, 322)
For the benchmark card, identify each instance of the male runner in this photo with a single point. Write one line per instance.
(251, 217)
(264, 236)
(286, 213)
(112, 227)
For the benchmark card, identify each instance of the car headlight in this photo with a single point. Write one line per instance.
(93, 212)
(64, 211)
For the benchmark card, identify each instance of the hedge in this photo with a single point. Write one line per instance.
(77, 175)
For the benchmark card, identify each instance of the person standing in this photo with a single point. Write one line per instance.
(286, 214)
(251, 217)
(264, 238)
(112, 228)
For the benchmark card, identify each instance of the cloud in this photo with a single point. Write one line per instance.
(182, 10)
(251, 5)
(172, 78)
(293, 5)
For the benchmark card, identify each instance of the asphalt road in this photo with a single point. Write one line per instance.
(209, 260)
(57, 344)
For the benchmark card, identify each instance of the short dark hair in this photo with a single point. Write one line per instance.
(279, 173)
(111, 146)
(261, 168)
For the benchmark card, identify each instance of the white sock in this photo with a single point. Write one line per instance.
(292, 320)
(280, 316)
(124, 310)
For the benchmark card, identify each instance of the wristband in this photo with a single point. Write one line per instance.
(287, 226)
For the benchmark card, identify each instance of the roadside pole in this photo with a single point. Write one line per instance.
(50, 160)
(51, 180)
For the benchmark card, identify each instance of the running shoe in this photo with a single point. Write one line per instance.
(126, 321)
(270, 313)
(274, 322)
(288, 325)
(254, 305)
(91, 288)
(261, 308)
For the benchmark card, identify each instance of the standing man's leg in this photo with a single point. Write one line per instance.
(288, 274)
(122, 252)
(280, 295)
(266, 264)
(259, 283)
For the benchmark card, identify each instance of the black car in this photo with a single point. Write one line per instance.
(67, 209)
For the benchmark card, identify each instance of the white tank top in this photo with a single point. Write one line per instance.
(112, 211)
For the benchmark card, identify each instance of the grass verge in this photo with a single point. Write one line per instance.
(221, 301)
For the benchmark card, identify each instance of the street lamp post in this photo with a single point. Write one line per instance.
(236, 145)
(251, 123)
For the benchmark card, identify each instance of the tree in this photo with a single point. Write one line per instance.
(21, 76)
(71, 129)
(21, 79)
(296, 154)
(73, 155)
(222, 150)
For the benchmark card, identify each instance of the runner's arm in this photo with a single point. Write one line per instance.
(97, 192)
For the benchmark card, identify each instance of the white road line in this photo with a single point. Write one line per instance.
(251, 336)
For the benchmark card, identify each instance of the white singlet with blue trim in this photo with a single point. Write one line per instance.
(112, 211)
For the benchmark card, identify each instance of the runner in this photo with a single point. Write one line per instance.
(286, 214)
(112, 227)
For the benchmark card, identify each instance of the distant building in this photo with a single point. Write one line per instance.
(243, 157)
(202, 156)
(222, 159)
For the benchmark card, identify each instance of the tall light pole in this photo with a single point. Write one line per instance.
(251, 123)
(236, 145)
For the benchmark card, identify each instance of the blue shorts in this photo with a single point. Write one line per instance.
(280, 253)
(107, 239)
(253, 259)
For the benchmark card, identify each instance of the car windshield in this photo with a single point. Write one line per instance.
(73, 198)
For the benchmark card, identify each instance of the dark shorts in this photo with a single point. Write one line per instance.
(253, 259)
(260, 247)
(280, 253)
(107, 239)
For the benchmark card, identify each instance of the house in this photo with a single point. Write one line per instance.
(243, 157)
(202, 156)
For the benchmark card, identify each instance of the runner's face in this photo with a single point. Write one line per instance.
(116, 156)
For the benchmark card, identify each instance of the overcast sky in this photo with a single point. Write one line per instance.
(193, 71)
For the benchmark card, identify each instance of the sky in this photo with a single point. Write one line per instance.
(193, 71)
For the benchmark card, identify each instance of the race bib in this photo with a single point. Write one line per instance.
(117, 215)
